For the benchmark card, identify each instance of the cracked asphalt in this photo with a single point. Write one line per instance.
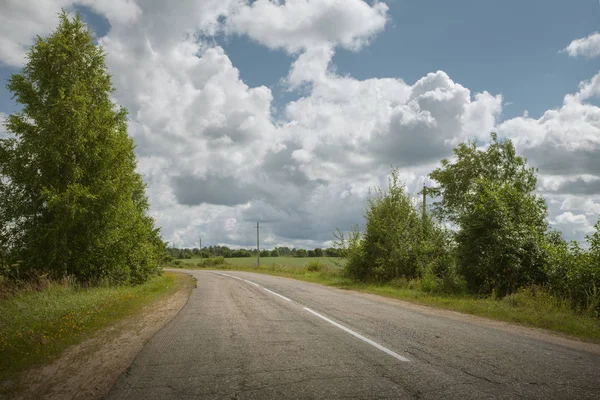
(235, 340)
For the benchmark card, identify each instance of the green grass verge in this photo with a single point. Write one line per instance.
(529, 307)
(37, 325)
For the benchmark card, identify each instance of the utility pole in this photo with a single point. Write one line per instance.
(424, 202)
(200, 249)
(424, 219)
(257, 246)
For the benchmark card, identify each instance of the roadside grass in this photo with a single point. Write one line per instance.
(37, 325)
(532, 307)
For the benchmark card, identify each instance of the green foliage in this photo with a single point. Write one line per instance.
(318, 252)
(314, 266)
(70, 199)
(211, 262)
(490, 195)
(398, 240)
(265, 253)
(458, 180)
(301, 253)
(275, 253)
(574, 273)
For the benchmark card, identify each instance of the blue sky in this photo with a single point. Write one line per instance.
(510, 47)
(506, 47)
(289, 111)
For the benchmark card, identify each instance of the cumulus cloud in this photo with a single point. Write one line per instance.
(22, 21)
(216, 159)
(588, 47)
(298, 25)
(567, 137)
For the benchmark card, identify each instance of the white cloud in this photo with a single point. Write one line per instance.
(21, 21)
(573, 224)
(588, 47)
(298, 25)
(216, 160)
(567, 138)
(577, 203)
(3, 132)
(570, 218)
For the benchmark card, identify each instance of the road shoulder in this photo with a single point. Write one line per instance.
(88, 370)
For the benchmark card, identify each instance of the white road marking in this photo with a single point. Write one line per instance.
(252, 283)
(361, 337)
(276, 294)
(235, 277)
(245, 280)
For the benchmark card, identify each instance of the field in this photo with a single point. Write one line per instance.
(268, 261)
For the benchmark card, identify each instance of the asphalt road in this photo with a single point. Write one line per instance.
(250, 336)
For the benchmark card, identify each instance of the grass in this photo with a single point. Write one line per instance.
(529, 307)
(37, 325)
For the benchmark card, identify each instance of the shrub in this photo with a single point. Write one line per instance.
(211, 262)
(574, 273)
(314, 266)
(398, 241)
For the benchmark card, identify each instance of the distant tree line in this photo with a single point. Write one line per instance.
(226, 252)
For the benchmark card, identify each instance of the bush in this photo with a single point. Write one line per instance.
(574, 274)
(314, 266)
(211, 262)
(398, 240)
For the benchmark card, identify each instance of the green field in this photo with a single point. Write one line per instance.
(283, 261)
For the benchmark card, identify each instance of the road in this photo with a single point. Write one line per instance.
(249, 336)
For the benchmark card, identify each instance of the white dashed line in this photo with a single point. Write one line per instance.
(277, 294)
(348, 330)
(361, 337)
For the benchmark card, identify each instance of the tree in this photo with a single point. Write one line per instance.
(318, 252)
(458, 181)
(275, 253)
(310, 253)
(301, 253)
(397, 241)
(332, 252)
(489, 194)
(70, 199)
(265, 253)
(392, 238)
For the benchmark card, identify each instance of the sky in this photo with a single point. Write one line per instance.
(288, 112)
